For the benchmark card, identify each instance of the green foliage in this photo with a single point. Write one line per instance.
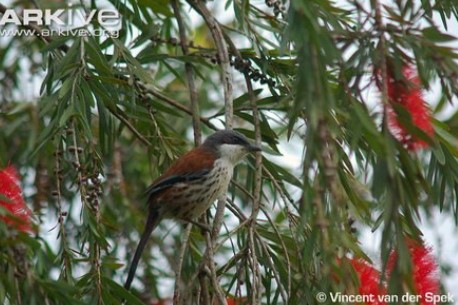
(105, 116)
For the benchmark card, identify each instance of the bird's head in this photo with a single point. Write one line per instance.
(230, 145)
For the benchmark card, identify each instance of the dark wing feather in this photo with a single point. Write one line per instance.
(170, 181)
(190, 167)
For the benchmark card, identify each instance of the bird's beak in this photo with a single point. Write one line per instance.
(254, 148)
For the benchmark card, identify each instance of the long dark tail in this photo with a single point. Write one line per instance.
(151, 223)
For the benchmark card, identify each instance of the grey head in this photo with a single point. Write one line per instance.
(230, 144)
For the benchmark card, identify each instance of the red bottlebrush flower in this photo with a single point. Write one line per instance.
(407, 93)
(236, 301)
(369, 281)
(425, 270)
(9, 188)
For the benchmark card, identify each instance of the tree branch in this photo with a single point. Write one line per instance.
(177, 297)
(256, 295)
(131, 127)
(172, 102)
(189, 75)
(223, 56)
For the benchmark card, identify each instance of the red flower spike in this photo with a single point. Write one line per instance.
(236, 301)
(408, 94)
(369, 280)
(425, 270)
(9, 188)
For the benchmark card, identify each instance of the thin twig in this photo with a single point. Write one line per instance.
(383, 67)
(218, 219)
(223, 56)
(245, 221)
(62, 232)
(234, 259)
(172, 102)
(95, 207)
(256, 295)
(283, 293)
(258, 155)
(189, 74)
(204, 293)
(284, 248)
(131, 127)
(275, 272)
(196, 128)
(211, 265)
(177, 291)
(253, 258)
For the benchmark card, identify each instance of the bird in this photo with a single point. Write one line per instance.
(191, 184)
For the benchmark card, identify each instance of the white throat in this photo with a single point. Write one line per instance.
(233, 153)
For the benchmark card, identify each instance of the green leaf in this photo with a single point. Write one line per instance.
(122, 293)
(158, 6)
(433, 34)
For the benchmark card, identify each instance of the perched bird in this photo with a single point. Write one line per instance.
(190, 186)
